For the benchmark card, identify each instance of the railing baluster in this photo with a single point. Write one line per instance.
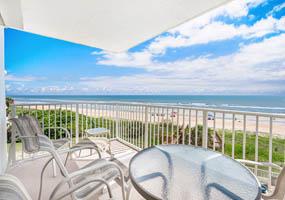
(162, 125)
(205, 129)
(43, 118)
(223, 133)
(60, 120)
(256, 142)
(55, 136)
(270, 151)
(102, 115)
(150, 126)
(22, 110)
(154, 125)
(77, 124)
(189, 127)
(233, 136)
(244, 137)
(71, 123)
(172, 125)
(167, 124)
(36, 111)
(86, 116)
(122, 121)
(136, 125)
(105, 110)
(109, 118)
(214, 134)
(82, 121)
(133, 125)
(196, 129)
(146, 127)
(48, 121)
(65, 117)
(177, 127)
(158, 125)
(183, 128)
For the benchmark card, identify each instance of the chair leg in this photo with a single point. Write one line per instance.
(66, 159)
(128, 190)
(54, 168)
(42, 176)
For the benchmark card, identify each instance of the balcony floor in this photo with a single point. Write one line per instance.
(28, 172)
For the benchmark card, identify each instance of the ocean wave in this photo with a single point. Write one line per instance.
(278, 109)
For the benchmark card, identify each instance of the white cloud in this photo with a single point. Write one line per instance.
(277, 8)
(9, 77)
(20, 88)
(187, 34)
(154, 84)
(254, 68)
(136, 59)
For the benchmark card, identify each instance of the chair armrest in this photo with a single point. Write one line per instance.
(95, 167)
(77, 187)
(61, 128)
(45, 140)
(35, 137)
(88, 180)
(79, 148)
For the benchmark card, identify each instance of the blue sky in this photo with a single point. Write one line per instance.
(236, 49)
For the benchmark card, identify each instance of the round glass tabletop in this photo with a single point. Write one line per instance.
(187, 172)
(96, 131)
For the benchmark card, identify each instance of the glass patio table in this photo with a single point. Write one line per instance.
(188, 172)
(101, 138)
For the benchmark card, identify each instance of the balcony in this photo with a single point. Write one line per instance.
(133, 127)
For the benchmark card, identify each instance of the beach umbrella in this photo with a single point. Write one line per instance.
(112, 25)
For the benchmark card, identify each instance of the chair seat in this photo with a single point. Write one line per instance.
(11, 188)
(60, 142)
(107, 173)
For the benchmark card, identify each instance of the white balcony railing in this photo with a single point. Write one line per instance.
(241, 135)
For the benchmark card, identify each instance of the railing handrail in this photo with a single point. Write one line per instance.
(159, 105)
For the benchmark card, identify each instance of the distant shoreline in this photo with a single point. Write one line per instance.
(268, 104)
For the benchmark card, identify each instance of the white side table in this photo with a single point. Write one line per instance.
(100, 137)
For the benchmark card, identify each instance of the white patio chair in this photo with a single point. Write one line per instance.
(279, 191)
(58, 143)
(11, 188)
(30, 126)
(100, 168)
(63, 141)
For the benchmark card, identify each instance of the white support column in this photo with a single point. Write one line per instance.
(3, 133)
(117, 121)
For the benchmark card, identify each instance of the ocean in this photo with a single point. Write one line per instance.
(261, 103)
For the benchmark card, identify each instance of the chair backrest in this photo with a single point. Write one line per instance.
(34, 123)
(279, 192)
(27, 135)
(26, 128)
(11, 188)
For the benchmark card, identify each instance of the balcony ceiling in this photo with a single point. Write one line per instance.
(113, 25)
